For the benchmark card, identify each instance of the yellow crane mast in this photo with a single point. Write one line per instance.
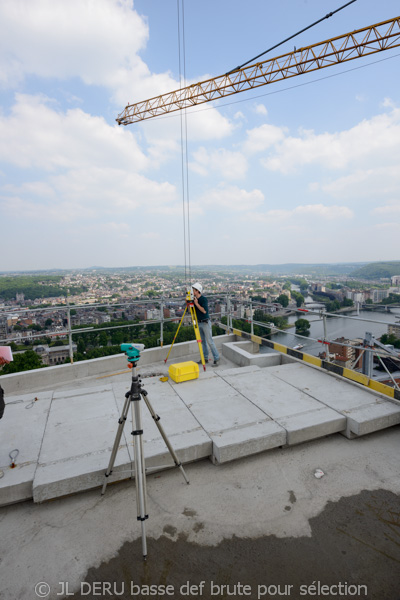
(362, 42)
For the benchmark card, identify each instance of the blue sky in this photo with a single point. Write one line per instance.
(306, 170)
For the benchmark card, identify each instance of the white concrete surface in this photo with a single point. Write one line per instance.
(365, 410)
(271, 494)
(65, 437)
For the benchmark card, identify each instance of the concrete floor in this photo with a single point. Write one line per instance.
(242, 528)
(65, 436)
(264, 520)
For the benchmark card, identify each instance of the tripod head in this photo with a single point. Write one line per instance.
(132, 351)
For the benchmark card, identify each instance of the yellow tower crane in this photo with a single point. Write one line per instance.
(341, 49)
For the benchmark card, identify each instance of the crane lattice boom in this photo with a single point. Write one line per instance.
(362, 42)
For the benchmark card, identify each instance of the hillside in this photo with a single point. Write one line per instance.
(378, 270)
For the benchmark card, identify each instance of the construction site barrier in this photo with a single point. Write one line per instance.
(360, 378)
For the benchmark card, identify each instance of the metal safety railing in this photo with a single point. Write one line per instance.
(367, 350)
(244, 311)
(69, 330)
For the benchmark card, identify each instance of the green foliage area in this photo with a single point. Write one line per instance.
(34, 286)
(334, 286)
(392, 299)
(347, 302)
(390, 339)
(279, 322)
(25, 361)
(283, 299)
(243, 325)
(332, 305)
(302, 326)
(300, 281)
(378, 270)
(102, 342)
(298, 297)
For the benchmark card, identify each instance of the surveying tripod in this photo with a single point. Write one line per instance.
(190, 304)
(133, 397)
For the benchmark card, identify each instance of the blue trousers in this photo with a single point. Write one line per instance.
(206, 338)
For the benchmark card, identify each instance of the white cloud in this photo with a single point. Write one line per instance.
(232, 165)
(325, 212)
(261, 138)
(90, 193)
(109, 228)
(368, 183)
(36, 134)
(391, 229)
(261, 109)
(388, 209)
(309, 211)
(208, 125)
(99, 36)
(233, 198)
(372, 142)
(150, 235)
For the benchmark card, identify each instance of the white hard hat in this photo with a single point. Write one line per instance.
(198, 286)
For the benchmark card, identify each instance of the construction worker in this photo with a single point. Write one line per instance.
(203, 318)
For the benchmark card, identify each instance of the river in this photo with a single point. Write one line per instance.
(340, 326)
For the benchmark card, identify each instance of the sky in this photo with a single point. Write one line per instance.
(302, 171)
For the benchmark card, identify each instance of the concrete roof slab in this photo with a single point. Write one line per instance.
(218, 406)
(22, 428)
(365, 411)
(245, 441)
(79, 473)
(79, 423)
(312, 425)
(274, 396)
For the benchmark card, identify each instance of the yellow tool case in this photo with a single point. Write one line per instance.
(184, 371)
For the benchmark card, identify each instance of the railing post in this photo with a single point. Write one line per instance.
(325, 340)
(251, 319)
(228, 313)
(368, 357)
(162, 322)
(71, 352)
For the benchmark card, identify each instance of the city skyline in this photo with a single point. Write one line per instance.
(304, 171)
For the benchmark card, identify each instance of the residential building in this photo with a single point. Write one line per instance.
(379, 295)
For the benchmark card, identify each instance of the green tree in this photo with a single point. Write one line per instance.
(103, 339)
(347, 302)
(302, 326)
(299, 298)
(24, 361)
(283, 299)
(81, 346)
(48, 322)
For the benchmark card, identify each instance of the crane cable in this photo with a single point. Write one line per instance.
(183, 121)
(290, 38)
(184, 146)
